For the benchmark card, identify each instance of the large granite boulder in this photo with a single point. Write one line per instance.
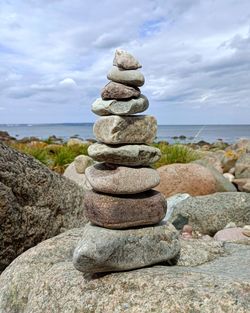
(211, 213)
(189, 178)
(222, 183)
(35, 204)
(44, 280)
(242, 166)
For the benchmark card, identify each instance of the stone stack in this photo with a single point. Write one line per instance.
(122, 195)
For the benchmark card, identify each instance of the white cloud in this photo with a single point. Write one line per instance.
(55, 56)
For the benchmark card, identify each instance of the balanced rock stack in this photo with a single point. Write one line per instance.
(126, 231)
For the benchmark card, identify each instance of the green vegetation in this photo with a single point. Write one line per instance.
(176, 153)
(58, 156)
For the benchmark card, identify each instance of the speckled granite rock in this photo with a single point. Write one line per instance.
(125, 129)
(108, 107)
(125, 60)
(118, 211)
(107, 250)
(211, 213)
(43, 280)
(119, 92)
(115, 179)
(35, 203)
(131, 155)
(242, 166)
(129, 77)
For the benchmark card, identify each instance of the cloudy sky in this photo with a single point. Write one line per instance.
(55, 54)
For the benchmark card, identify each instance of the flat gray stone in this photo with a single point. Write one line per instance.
(127, 77)
(125, 60)
(119, 92)
(125, 129)
(131, 155)
(105, 250)
(211, 213)
(109, 107)
(119, 212)
(114, 179)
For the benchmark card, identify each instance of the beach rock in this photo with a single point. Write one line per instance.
(246, 230)
(35, 203)
(108, 107)
(189, 178)
(108, 250)
(79, 179)
(76, 142)
(211, 213)
(214, 159)
(5, 136)
(173, 201)
(114, 179)
(229, 176)
(205, 251)
(127, 77)
(119, 92)
(125, 60)
(222, 183)
(130, 155)
(43, 280)
(243, 184)
(81, 162)
(115, 212)
(242, 145)
(230, 234)
(127, 129)
(242, 166)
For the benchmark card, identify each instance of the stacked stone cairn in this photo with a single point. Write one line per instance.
(126, 229)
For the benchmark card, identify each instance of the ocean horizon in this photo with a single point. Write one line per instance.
(171, 133)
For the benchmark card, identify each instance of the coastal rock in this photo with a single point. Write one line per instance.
(126, 129)
(5, 136)
(119, 92)
(229, 176)
(125, 60)
(173, 201)
(242, 166)
(243, 184)
(108, 250)
(43, 280)
(79, 179)
(115, 212)
(108, 107)
(127, 77)
(81, 162)
(114, 179)
(185, 178)
(130, 155)
(222, 183)
(35, 203)
(76, 142)
(242, 145)
(211, 213)
(246, 230)
(230, 234)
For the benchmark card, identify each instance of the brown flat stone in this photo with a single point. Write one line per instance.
(115, 179)
(119, 92)
(119, 212)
